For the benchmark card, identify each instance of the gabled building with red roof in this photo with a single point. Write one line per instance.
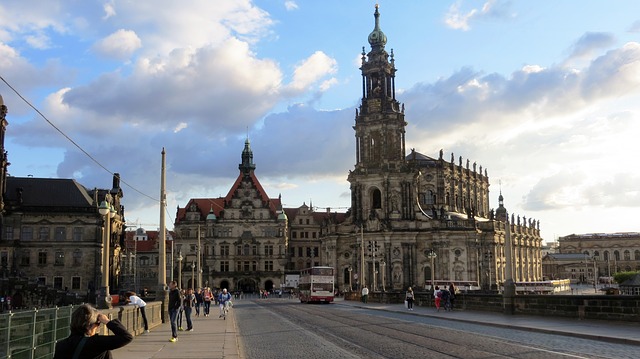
(241, 238)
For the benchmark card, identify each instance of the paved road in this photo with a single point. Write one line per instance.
(281, 328)
(272, 329)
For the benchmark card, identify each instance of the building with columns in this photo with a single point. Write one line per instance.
(416, 219)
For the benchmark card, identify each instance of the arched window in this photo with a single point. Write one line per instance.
(636, 255)
(376, 199)
(627, 255)
(596, 255)
(247, 250)
(606, 255)
(616, 255)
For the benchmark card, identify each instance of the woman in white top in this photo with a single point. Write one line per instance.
(134, 299)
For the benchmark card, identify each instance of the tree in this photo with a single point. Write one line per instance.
(621, 277)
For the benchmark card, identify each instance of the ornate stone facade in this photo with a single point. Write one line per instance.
(608, 253)
(417, 219)
(53, 233)
(243, 236)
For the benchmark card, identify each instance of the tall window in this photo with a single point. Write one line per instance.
(224, 266)
(42, 258)
(44, 234)
(376, 199)
(616, 255)
(8, 233)
(268, 249)
(25, 257)
(75, 283)
(27, 234)
(224, 250)
(59, 259)
(268, 266)
(77, 234)
(77, 257)
(57, 282)
(246, 266)
(246, 250)
(627, 255)
(60, 234)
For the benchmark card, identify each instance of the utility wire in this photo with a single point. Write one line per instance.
(73, 142)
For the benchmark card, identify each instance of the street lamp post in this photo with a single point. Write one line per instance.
(180, 270)
(383, 263)
(595, 275)
(104, 298)
(349, 270)
(375, 280)
(193, 266)
(432, 256)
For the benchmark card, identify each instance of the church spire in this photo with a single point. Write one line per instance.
(377, 38)
(247, 165)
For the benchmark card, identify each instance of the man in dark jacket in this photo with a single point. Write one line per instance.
(174, 307)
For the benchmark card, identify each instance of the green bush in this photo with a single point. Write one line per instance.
(621, 277)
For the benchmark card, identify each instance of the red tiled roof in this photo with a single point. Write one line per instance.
(217, 204)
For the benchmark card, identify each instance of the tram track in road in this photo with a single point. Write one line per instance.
(374, 336)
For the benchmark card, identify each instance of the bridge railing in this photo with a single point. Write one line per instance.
(32, 334)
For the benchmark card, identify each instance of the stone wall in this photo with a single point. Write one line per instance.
(130, 317)
(605, 307)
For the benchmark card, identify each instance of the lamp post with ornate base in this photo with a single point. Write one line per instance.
(104, 298)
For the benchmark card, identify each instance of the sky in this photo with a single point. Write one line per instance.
(545, 95)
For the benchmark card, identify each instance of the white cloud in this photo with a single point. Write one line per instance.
(181, 126)
(459, 20)
(119, 45)
(312, 69)
(109, 10)
(590, 42)
(290, 5)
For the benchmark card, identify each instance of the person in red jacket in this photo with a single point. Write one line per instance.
(84, 342)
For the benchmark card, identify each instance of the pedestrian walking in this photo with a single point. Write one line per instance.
(224, 300)
(409, 298)
(365, 294)
(188, 303)
(181, 310)
(445, 299)
(199, 301)
(207, 297)
(452, 294)
(133, 299)
(174, 307)
(84, 342)
(437, 296)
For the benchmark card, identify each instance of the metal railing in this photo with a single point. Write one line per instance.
(32, 334)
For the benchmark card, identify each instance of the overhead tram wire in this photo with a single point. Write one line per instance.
(73, 142)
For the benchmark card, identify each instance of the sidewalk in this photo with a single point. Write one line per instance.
(616, 332)
(211, 337)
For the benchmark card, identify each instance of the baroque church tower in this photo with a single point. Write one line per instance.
(417, 220)
(380, 138)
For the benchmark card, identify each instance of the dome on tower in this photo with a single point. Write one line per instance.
(377, 37)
